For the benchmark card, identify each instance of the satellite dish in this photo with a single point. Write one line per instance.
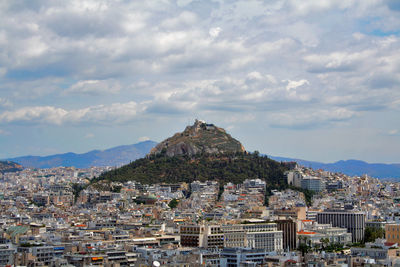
(156, 263)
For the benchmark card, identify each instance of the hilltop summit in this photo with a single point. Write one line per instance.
(201, 137)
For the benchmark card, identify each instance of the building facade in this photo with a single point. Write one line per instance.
(392, 232)
(354, 222)
(289, 233)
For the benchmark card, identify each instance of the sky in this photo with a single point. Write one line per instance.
(317, 80)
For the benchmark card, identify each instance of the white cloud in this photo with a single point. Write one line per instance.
(5, 103)
(101, 114)
(306, 7)
(214, 32)
(338, 61)
(184, 19)
(295, 84)
(309, 118)
(94, 87)
(143, 138)
(45, 114)
(183, 58)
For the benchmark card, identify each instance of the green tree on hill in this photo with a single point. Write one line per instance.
(232, 167)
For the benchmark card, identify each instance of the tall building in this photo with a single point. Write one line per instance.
(289, 233)
(353, 221)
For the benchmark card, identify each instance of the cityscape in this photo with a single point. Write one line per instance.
(190, 133)
(67, 216)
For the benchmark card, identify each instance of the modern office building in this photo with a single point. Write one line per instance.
(289, 233)
(353, 221)
(256, 235)
(313, 183)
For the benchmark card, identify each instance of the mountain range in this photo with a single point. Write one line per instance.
(116, 156)
(350, 167)
(121, 155)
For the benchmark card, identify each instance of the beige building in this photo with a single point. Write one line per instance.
(293, 213)
(254, 235)
(392, 233)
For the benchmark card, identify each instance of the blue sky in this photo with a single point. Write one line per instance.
(317, 80)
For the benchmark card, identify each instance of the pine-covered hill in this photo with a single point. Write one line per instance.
(233, 167)
(9, 166)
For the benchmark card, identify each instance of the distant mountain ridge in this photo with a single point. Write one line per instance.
(115, 156)
(351, 167)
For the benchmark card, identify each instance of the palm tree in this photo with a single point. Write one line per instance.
(325, 242)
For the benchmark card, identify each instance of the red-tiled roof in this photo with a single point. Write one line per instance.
(302, 232)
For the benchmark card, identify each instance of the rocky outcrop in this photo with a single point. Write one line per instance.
(201, 137)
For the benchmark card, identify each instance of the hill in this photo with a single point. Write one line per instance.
(201, 152)
(199, 138)
(9, 166)
(116, 156)
(351, 167)
(233, 167)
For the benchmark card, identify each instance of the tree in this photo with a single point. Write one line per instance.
(304, 248)
(325, 242)
(173, 203)
(371, 233)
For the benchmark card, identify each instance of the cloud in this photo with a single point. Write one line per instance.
(5, 103)
(143, 138)
(214, 32)
(184, 19)
(393, 132)
(309, 118)
(94, 87)
(295, 84)
(286, 63)
(45, 114)
(89, 135)
(337, 61)
(115, 113)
